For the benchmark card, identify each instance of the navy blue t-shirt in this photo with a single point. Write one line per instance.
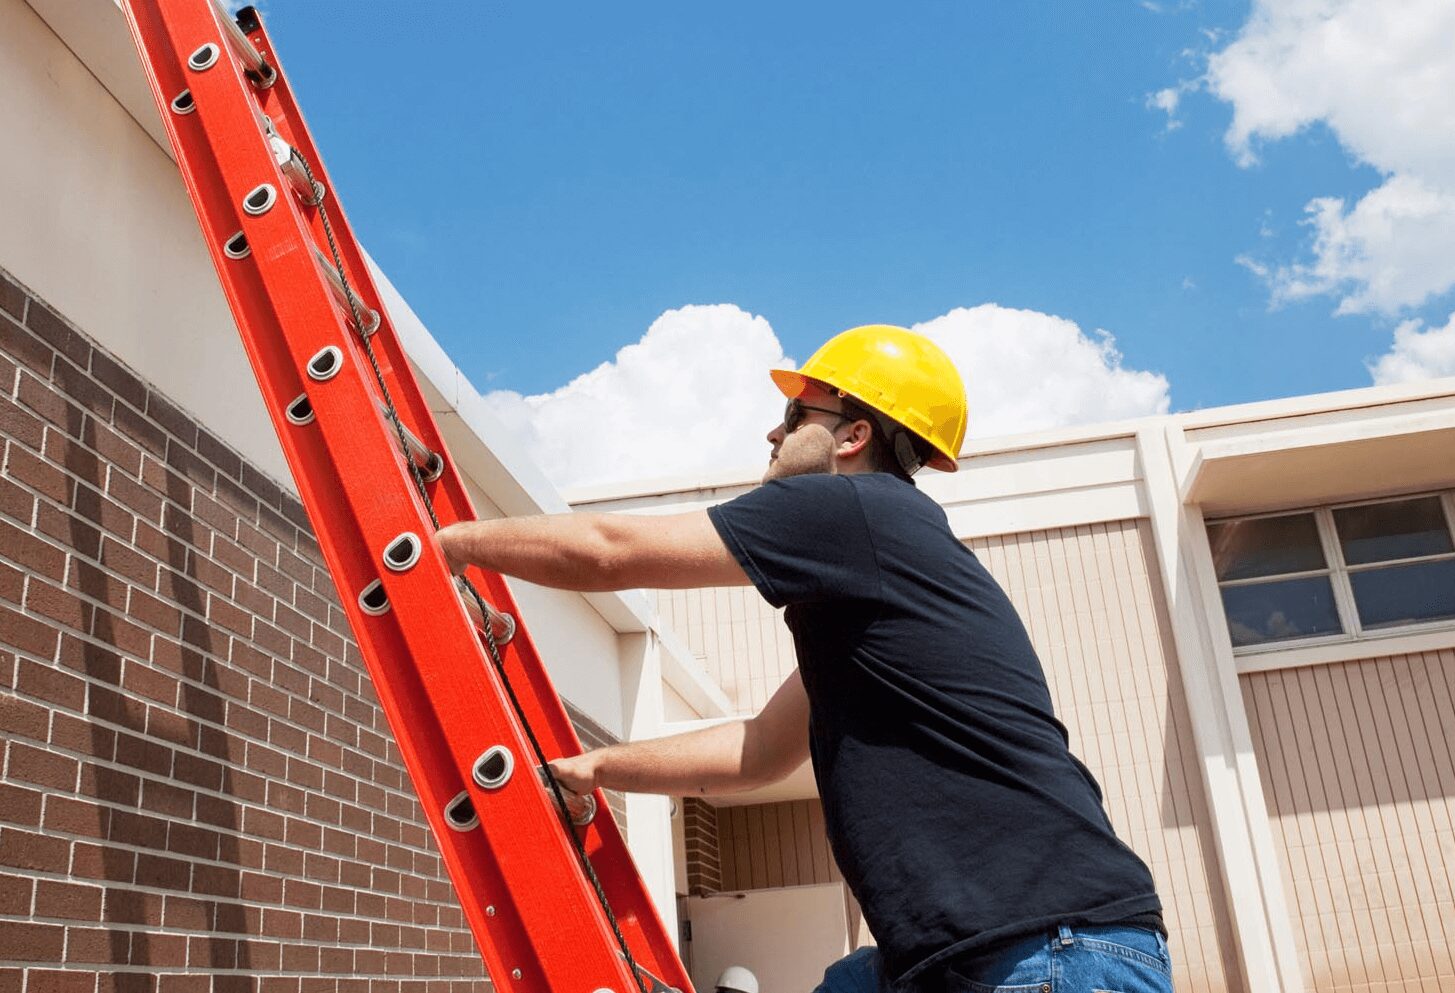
(955, 809)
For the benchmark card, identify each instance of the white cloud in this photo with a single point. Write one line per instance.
(693, 396)
(1418, 353)
(1381, 77)
(1025, 370)
(1167, 100)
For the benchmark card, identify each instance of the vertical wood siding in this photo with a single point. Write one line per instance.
(741, 641)
(1358, 769)
(1092, 602)
(767, 845)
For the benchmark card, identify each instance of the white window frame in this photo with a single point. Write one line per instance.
(1338, 572)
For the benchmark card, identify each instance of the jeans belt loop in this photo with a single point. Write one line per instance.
(1064, 930)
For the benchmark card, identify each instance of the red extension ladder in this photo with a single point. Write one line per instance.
(550, 891)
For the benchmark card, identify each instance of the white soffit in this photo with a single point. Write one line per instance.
(1347, 455)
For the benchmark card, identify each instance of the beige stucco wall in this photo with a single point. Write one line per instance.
(1358, 766)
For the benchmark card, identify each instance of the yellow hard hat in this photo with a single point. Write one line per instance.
(903, 375)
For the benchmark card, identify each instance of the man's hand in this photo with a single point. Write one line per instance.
(577, 773)
(449, 540)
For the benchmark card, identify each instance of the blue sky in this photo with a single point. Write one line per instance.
(544, 181)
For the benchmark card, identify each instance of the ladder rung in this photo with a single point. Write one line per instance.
(430, 464)
(346, 297)
(251, 59)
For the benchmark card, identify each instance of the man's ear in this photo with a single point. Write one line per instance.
(858, 438)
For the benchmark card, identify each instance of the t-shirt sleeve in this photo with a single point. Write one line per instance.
(801, 540)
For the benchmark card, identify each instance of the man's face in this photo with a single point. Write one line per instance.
(811, 446)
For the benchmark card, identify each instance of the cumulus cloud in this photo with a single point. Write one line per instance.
(692, 397)
(1381, 77)
(1418, 353)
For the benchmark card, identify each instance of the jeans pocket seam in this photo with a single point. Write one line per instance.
(1126, 952)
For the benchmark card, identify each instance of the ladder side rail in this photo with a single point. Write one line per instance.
(359, 502)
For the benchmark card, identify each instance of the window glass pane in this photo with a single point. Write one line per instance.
(1405, 594)
(1404, 529)
(1280, 610)
(1267, 546)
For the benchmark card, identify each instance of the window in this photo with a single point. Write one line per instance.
(1337, 572)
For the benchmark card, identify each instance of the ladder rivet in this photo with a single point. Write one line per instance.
(514, 973)
(490, 911)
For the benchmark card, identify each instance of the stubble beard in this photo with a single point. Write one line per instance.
(802, 454)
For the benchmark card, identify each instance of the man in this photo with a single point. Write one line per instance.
(975, 843)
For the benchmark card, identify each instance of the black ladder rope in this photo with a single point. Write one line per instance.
(485, 610)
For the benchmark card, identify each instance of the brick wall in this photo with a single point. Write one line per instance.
(199, 790)
(699, 831)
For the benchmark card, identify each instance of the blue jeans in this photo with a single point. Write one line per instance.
(1090, 959)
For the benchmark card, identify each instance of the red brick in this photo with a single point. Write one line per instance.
(51, 328)
(116, 708)
(229, 616)
(123, 456)
(128, 827)
(99, 509)
(140, 429)
(220, 881)
(184, 660)
(190, 839)
(274, 582)
(97, 584)
(27, 850)
(198, 771)
(129, 906)
(140, 752)
(282, 860)
(57, 603)
(78, 385)
(155, 949)
(25, 942)
(22, 718)
(179, 982)
(110, 785)
(15, 893)
(41, 767)
(127, 562)
(172, 727)
(162, 546)
(191, 466)
(26, 633)
(119, 379)
(300, 958)
(51, 684)
(21, 423)
(74, 458)
(219, 517)
(16, 501)
(12, 298)
(30, 551)
(167, 799)
(128, 982)
(100, 862)
(116, 630)
(25, 347)
(70, 901)
(73, 532)
(52, 405)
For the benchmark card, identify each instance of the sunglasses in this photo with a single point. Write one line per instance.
(797, 410)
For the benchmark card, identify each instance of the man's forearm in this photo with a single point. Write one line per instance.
(718, 759)
(565, 551)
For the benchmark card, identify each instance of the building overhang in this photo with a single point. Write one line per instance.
(1364, 454)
